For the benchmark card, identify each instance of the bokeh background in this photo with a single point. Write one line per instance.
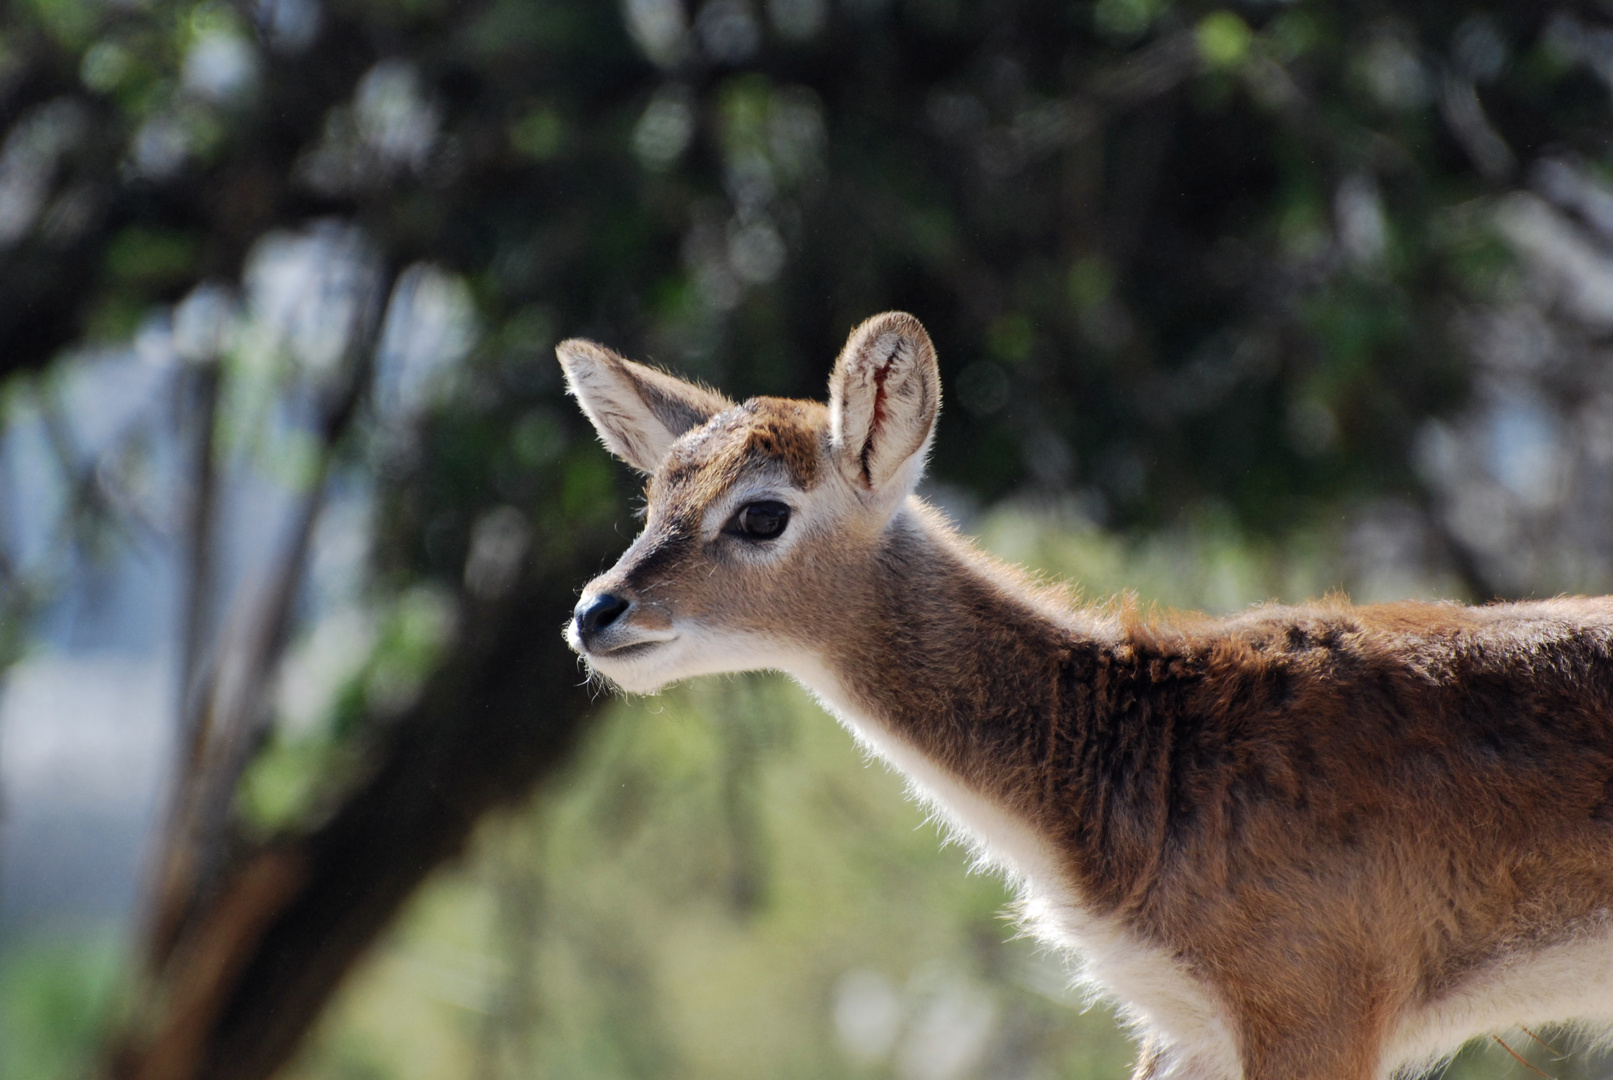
(1236, 301)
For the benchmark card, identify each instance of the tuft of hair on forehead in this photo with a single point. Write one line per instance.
(763, 430)
(788, 432)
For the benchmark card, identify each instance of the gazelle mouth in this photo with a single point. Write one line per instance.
(630, 650)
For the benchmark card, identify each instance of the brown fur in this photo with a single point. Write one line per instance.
(1330, 816)
(773, 430)
(1327, 812)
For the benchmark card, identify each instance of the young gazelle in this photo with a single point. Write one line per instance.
(1307, 842)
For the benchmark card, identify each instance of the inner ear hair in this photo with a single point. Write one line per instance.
(883, 400)
(638, 411)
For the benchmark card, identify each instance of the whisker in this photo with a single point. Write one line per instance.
(1541, 1041)
(1521, 1060)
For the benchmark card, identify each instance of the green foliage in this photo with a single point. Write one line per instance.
(55, 990)
(283, 785)
(1125, 19)
(1224, 39)
(141, 256)
(996, 171)
(539, 134)
(369, 664)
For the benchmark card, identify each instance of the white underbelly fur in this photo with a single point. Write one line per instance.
(1570, 980)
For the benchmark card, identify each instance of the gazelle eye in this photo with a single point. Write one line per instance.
(759, 520)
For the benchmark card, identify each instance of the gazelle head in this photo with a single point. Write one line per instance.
(761, 532)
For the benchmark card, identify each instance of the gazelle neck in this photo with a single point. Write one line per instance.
(949, 658)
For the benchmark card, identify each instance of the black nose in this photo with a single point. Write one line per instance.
(596, 613)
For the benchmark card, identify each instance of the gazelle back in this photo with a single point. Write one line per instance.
(1311, 842)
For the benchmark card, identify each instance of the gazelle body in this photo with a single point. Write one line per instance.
(1310, 842)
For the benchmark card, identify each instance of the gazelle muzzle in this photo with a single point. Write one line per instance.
(596, 613)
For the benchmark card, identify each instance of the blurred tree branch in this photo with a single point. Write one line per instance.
(226, 714)
(254, 968)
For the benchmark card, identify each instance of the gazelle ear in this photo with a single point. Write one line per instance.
(637, 410)
(883, 399)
